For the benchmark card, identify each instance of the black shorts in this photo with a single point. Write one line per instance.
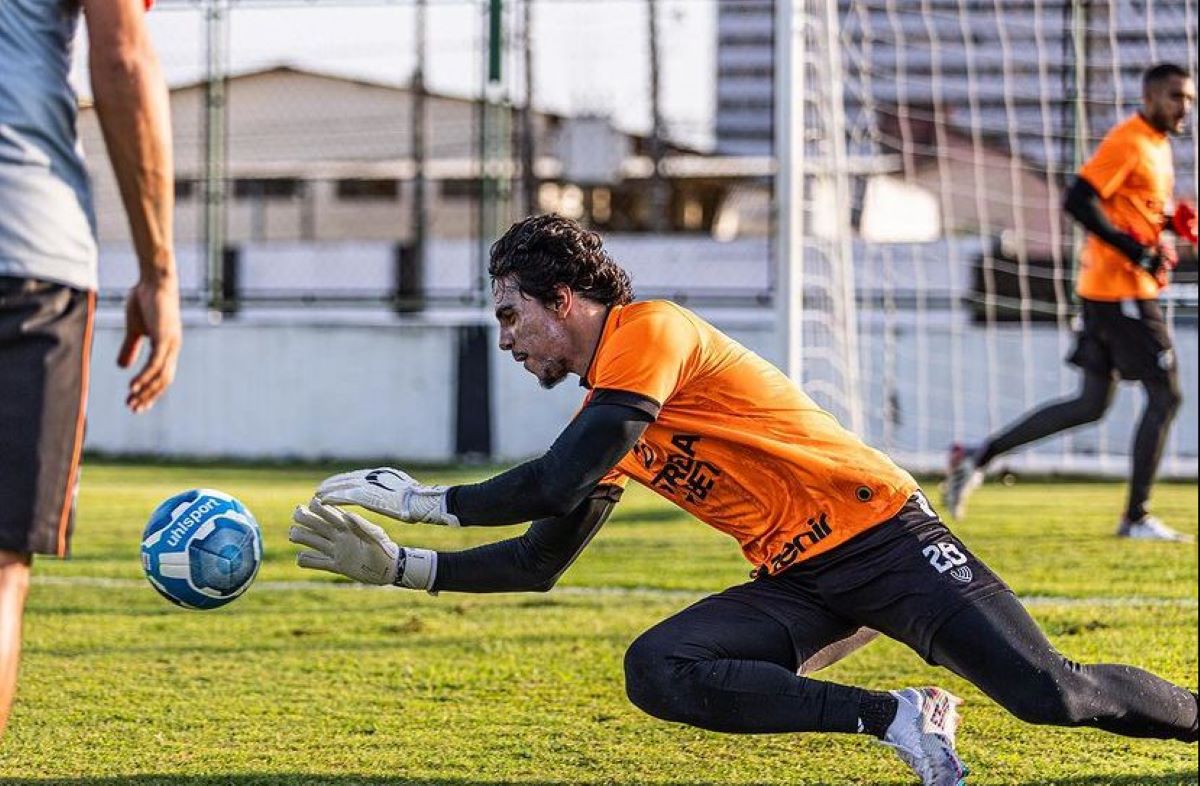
(45, 341)
(1128, 338)
(903, 578)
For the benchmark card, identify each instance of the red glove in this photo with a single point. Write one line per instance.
(1183, 223)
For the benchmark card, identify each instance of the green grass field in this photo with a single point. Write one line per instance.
(310, 680)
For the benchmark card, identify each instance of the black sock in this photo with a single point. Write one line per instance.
(876, 711)
(983, 455)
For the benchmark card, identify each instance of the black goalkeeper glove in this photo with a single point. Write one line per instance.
(1154, 258)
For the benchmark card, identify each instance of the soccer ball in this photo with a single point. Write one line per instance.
(201, 549)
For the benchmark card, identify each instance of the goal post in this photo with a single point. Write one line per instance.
(814, 259)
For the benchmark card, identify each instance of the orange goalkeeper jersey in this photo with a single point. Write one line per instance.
(1133, 173)
(736, 443)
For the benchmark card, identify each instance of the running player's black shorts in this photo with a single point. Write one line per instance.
(45, 341)
(1128, 338)
(903, 578)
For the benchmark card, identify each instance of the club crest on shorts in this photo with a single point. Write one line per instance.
(963, 574)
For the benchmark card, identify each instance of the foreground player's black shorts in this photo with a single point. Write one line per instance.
(903, 578)
(45, 341)
(1128, 338)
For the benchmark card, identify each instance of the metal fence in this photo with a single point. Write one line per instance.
(363, 154)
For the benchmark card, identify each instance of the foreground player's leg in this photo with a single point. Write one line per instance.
(44, 340)
(996, 645)
(966, 466)
(14, 586)
(1162, 402)
(726, 666)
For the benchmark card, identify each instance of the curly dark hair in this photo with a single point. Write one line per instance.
(541, 252)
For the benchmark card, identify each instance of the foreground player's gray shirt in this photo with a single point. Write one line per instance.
(47, 224)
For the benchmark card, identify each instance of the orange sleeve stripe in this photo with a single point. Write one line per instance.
(80, 419)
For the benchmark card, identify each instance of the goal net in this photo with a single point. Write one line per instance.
(963, 121)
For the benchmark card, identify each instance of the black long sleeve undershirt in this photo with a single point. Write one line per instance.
(556, 483)
(1082, 202)
(533, 561)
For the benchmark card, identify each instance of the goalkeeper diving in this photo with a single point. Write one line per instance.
(843, 543)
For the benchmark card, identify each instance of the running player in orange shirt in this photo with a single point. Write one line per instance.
(1121, 198)
(842, 541)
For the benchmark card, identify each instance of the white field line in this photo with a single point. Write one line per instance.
(615, 592)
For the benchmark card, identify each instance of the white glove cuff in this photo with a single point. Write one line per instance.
(416, 569)
(427, 504)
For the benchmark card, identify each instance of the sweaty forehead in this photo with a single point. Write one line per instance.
(505, 292)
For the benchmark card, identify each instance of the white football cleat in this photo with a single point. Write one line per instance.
(922, 734)
(962, 478)
(1150, 528)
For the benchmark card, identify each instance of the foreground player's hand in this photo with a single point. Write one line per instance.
(152, 312)
(389, 492)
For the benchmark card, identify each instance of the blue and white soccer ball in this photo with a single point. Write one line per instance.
(201, 549)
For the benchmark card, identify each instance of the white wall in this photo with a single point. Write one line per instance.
(373, 387)
(287, 391)
(259, 389)
(997, 378)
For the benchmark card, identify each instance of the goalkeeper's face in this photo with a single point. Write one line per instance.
(1169, 103)
(535, 334)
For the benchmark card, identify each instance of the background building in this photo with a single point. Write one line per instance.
(319, 157)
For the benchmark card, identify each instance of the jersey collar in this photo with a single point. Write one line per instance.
(610, 323)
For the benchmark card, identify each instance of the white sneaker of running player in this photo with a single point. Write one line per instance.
(1150, 528)
(922, 734)
(962, 478)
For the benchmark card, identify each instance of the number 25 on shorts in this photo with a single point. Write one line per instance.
(944, 556)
